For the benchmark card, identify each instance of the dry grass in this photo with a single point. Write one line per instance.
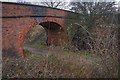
(59, 64)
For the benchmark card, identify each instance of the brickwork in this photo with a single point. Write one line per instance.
(18, 19)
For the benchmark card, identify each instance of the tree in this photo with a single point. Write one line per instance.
(55, 4)
(49, 3)
(93, 11)
(23, 1)
(94, 14)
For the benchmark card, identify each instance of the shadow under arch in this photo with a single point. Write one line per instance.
(55, 34)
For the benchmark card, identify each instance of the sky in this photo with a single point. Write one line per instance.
(57, 0)
(38, 1)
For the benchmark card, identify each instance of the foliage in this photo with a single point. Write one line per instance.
(36, 37)
(95, 54)
(66, 64)
(93, 14)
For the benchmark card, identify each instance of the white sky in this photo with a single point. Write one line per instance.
(37, 1)
(58, 0)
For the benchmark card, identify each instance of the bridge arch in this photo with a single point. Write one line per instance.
(18, 19)
(55, 34)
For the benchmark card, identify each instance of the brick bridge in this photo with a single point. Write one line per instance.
(18, 19)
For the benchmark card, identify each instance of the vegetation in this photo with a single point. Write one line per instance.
(65, 64)
(92, 52)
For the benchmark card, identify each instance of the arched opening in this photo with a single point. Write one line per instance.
(54, 33)
(43, 35)
(35, 38)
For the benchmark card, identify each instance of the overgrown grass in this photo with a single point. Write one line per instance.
(57, 64)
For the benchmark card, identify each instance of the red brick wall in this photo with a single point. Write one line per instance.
(14, 30)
